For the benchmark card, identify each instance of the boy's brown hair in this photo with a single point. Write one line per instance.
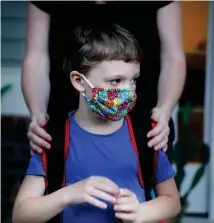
(94, 44)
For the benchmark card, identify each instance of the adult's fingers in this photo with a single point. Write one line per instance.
(162, 144)
(156, 130)
(165, 148)
(38, 141)
(39, 131)
(35, 148)
(163, 135)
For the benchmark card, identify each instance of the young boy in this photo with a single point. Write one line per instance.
(102, 183)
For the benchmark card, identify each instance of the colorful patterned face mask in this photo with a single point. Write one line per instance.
(111, 103)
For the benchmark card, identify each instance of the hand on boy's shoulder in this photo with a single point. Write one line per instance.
(159, 134)
(38, 137)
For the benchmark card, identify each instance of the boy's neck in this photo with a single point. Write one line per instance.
(90, 122)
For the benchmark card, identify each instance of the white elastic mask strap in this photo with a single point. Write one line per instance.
(87, 81)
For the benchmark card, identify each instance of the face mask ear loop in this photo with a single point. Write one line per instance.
(83, 76)
(86, 80)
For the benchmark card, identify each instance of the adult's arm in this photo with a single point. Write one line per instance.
(173, 72)
(173, 64)
(35, 72)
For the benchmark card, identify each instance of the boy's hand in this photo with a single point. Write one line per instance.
(37, 135)
(126, 206)
(93, 190)
(160, 132)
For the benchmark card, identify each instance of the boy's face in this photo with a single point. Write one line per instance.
(108, 74)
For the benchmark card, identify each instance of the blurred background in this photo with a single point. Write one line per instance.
(194, 115)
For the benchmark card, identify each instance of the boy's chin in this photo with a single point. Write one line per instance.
(107, 120)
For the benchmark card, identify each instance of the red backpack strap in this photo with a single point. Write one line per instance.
(153, 124)
(44, 162)
(54, 159)
(66, 146)
(131, 132)
(66, 149)
(147, 157)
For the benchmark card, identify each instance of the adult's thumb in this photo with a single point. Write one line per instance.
(155, 115)
(42, 119)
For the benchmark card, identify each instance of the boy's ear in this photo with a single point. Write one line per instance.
(77, 81)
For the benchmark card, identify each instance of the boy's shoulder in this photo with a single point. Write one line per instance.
(164, 169)
(35, 166)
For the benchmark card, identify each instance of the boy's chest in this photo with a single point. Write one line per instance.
(112, 158)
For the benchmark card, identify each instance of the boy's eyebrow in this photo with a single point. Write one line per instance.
(120, 76)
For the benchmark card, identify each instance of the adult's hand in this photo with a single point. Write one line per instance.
(38, 137)
(159, 134)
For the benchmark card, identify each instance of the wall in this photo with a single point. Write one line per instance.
(209, 110)
(195, 22)
(13, 25)
(13, 101)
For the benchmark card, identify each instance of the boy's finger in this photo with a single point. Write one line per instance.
(101, 195)
(125, 193)
(122, 200)
(95, 202)
(123, 207)
(107, 185)
(125, 216)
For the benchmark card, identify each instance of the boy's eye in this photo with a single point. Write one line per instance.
(116, 81)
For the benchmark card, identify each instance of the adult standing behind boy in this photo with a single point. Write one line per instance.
(47, 91)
